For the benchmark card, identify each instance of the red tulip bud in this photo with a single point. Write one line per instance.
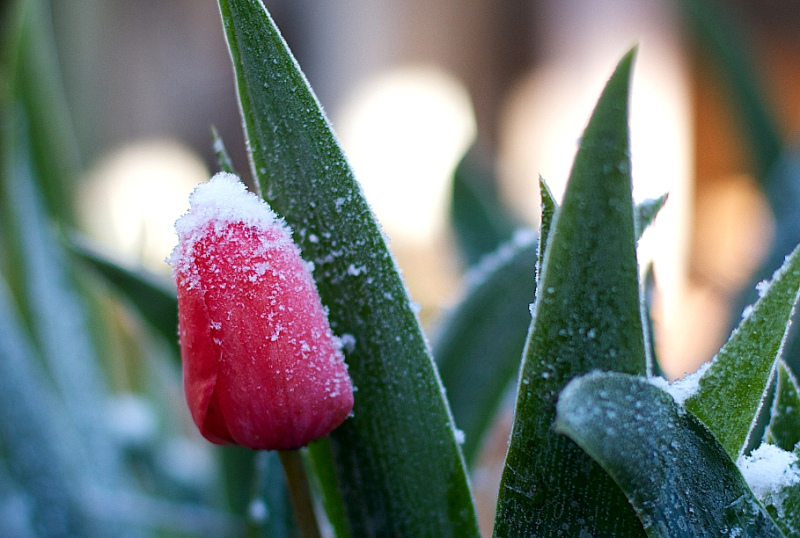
(261, 367)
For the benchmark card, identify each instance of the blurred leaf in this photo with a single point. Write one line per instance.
(58, 320)
(223, 159)
(402, 433)
(34, 81)
(675, 473)
(479, 343)
(784, 424)
(35, 436)
(649, 292)
(718, 35)
(153, 297)
(586, 317)
(733, 388)
(480, 220)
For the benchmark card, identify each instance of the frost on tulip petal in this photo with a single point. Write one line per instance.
(261, 367)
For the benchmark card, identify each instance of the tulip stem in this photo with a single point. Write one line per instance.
(300, 493)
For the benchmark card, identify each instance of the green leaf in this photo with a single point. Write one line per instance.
(398, 465)
(479, 343)
(784, 423)
(480, 221)
(35, 84)
(733, 388)
(646, 213)
(154, 298)
(674, 472)
(586, 317)
(223, 159)
(549, 209)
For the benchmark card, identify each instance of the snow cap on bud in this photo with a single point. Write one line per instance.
(261, 367)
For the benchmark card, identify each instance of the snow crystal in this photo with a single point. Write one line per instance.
(355, 270)
(681, 389)
(762, 287)
(348, 342)
(768, 470)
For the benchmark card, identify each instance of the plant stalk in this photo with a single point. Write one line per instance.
(300, 492)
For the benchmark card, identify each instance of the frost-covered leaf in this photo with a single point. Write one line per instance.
(586, 317)
(153, 298)
(401, 433)
(784, 422)
(35, 436)
(479, 343)
(733, 388)
(57, 317)
(549, 209)
(674, 472)
(646, 212)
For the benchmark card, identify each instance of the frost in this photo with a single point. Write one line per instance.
(222, 200)
(681, 389)
(355, 270)
(769, 470)
(762, 287)
(348, 342)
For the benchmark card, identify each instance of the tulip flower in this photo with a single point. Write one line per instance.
(261, 367)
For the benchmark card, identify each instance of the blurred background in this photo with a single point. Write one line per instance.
(413, 86)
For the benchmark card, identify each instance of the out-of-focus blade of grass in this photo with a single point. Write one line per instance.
(154, 298)
(673, 470)
(480, 220)
(35, 434)
(34, 81)
(784, 425)
(223, 159)
(401, 434)
(586, 317)
(718, 35)
(57, 317)
(479, 344)
(733, 388)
